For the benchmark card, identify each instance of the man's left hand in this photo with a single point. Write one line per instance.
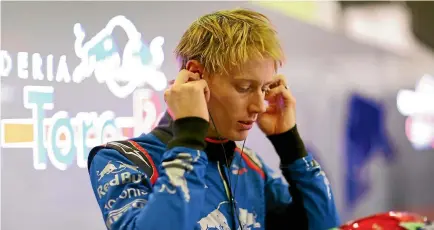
(280, 114)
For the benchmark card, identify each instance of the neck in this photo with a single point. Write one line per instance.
(220, 150)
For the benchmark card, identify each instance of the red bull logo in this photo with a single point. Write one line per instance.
(119, 179)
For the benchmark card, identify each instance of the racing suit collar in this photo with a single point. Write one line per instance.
(215, 149)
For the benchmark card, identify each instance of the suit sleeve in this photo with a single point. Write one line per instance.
(127, 198)
(307, 202)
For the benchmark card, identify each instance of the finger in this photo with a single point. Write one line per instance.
(194, 77)
(182, 77)
(186, 76)
(202, 86)
(273, 93)
(278, 80)
(205, 88)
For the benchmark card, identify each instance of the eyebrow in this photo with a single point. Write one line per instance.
(251, 80)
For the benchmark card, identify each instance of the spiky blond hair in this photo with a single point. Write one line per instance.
(222, 41)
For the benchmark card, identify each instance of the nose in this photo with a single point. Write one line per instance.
(257, 104)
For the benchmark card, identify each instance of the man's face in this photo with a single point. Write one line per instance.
(238, 98)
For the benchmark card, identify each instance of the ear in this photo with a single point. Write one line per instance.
(194, 66)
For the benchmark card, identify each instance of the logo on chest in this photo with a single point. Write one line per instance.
(218, 218)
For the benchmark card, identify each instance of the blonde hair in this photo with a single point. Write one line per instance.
(224, 40)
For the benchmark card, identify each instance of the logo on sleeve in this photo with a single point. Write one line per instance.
(121, 173)
(111, 168)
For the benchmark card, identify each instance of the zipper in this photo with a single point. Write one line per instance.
(229, 194)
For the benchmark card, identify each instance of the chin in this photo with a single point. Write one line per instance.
(236, 135)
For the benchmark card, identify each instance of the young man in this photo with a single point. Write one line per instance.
(188, 173)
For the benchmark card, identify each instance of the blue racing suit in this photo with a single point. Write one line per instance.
(175, 178)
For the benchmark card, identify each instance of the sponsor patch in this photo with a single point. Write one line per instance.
(119, 178)
(129, 193)
(134, 152)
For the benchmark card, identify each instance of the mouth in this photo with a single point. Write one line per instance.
(245, 125)
(247, 122)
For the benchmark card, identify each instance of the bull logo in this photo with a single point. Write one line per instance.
(217, 220)
(137, 66)
(111, 168)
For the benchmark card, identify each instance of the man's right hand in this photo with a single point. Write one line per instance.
(188, 96)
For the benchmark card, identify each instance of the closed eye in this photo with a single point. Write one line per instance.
(244, 89)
